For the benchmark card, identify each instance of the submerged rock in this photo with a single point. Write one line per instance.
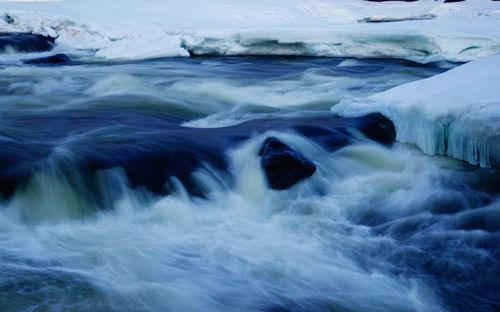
(284, 167)
(56, 59)
(25, 42)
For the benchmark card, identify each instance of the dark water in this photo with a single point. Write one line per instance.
(137, 186)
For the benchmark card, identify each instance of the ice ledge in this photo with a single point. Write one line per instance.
(456, 113)
(414, 45)
(453, 33)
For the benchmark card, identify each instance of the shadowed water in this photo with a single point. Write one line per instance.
(138, 187)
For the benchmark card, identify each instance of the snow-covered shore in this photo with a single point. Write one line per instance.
(456, 113)
(131, 30)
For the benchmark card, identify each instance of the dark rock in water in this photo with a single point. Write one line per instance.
(56, 59)
(152, 146)
(449, 1)
(284, 167)
(378, 128)
(26, 42)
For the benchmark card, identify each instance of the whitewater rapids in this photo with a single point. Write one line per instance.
(376, 228)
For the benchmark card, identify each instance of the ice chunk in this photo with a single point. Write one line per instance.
(142, 48)
(456, 113)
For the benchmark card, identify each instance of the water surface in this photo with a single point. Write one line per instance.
(376, 228)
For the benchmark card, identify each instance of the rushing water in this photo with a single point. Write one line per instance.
(88, 224)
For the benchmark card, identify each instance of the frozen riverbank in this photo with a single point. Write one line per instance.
(427, 31)
(456, 113)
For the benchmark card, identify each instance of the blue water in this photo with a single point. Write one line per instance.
(137, 186)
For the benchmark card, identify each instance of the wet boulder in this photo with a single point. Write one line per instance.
(283, 166)
(26, 42)
(56, 59)
(377, 127)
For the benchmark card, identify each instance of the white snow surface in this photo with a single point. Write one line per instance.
(134, 29)
(456, 113)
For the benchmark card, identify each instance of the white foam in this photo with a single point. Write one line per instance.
(174, 253)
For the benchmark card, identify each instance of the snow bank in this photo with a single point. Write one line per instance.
(362, 42)
(456, 113)
(132, 29)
